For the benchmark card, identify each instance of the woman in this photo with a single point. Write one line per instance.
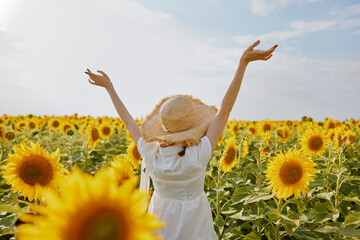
(176, 141)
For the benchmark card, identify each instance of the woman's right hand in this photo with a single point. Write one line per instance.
(100, 80)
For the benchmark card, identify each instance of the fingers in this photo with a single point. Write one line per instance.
(93, 83)
(101, 72)
(254, 45)
(267, 58)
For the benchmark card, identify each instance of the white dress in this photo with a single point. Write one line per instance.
(179, 199)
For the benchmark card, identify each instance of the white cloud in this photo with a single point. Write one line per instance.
(42, 71)
(264, 7)
(298, 29)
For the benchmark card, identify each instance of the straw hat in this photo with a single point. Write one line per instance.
(178, 119)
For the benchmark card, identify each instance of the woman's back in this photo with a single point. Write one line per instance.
(179, 189)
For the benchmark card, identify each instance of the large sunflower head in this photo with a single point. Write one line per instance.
(30, 168)
(133, 155)
(105, 130)
(229, 159)
(93, 208)
(290, 173)
(314, 141)
(55, 124)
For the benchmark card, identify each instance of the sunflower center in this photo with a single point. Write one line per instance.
(252, 130)
(102, 225)
(136, 153)
(315, 143)
(230, 156)
(331, 125)
(106, 130)
(36, 170)
(266, 127)
(55, 124)
(94, 134)
(290, 173)
(32, 125)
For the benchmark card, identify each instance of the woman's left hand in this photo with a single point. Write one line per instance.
(250, 54)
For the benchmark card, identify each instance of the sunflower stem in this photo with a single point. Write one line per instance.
(218, 198)
(338, 183)
(280, 207)
(239, 157)
(258, 182)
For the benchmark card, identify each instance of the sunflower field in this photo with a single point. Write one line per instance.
(72, 177)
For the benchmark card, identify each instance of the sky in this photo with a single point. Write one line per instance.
(153, 49)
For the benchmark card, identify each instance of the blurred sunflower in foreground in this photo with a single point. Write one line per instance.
(290, 173)
(91, 207)
(31, 168)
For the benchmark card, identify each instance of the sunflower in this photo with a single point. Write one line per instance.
(252, 129)
(20, 125)
(352, 121)
(284, 134)
(290, 173)
(267, 138)
(357, 126)
(30, 168)
(93, 208)
(2, 132)
(350, 136)
(120, 171)
(233, 128)
(93, 136)
(229, 159)
(331, 133)
(245, 148)
(329, 124)
(65, 126)
(133, 155)
(265, 125)
(54, 124)
(9, 136)
(32, 124)
(314, 141)
(105, 130)
(340, 138)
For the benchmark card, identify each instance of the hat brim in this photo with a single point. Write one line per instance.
(152, 130)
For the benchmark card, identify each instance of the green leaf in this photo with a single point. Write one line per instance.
(253, 236)
(256, 197)
(352, 219)
(302, 233)
(351, 199)
(329, 228)
(274, 215)
(301, 206)
(350, 232)
(325, 195)
(289, 224)
(7, 223)
(245, 216)
(11, 208)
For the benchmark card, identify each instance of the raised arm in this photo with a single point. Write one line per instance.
(104, 81)
(219, 121)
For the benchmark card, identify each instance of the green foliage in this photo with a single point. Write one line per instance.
(242, 205)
